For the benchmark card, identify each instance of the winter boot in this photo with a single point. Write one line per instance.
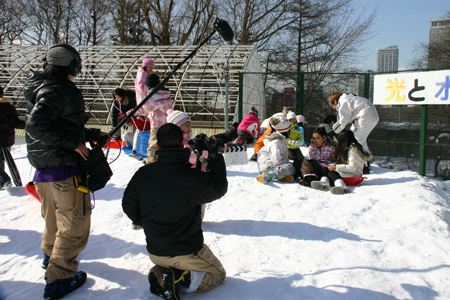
(61, 287)
(288, 178)
(323, 184)
(45, 261)
(340, 188)
(265, 177)
(135, 155)
(306, 181)
(155, 286)
(172, 280)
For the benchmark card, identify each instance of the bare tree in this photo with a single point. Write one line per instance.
(128, 22)
(49, 21)
(257, 21)
(326, 38)
(11, 23)
(91, 22)
(170, 22)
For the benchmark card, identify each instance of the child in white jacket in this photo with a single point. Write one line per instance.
(273, 161)
(350, 161)
(356, 110)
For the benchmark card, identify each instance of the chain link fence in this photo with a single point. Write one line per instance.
(395, 141)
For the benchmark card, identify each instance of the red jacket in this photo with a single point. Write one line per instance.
(250, 124)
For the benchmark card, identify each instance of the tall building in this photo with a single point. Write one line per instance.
(439, 30)
(387, 59)
(439, 44)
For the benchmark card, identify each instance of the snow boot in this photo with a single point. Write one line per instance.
(340, 188)
(155, 287)
(288, 178)
(266, 177)
(135, 155)
(323, 184)
(61, 287)
(172, 280)
(306, 181)
(45, 261)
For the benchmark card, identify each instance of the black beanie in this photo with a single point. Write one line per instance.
(151, 81)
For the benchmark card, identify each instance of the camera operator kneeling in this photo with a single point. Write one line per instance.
(165, 198)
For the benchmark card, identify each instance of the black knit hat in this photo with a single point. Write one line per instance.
(253, 111)
(151, 81)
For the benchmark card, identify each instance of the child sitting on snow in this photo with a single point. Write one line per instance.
(322, 153)
(351, 158)
(294, 140)
(273, 161)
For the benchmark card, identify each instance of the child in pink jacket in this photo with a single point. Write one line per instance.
(139, 85)
(248, 128)
(156, 109)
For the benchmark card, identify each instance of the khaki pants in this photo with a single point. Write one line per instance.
(203, 261)
(152, 147)
(66, 230)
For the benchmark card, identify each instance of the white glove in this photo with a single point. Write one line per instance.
(294, 143)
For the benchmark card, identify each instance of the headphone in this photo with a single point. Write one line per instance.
(75, 64)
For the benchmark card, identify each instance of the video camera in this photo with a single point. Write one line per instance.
(202, 142)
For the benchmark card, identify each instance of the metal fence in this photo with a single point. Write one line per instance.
(407, 137)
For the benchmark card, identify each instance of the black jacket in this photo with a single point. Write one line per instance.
(117, 107)
(8, 121)
(165, 197)
(55, 121)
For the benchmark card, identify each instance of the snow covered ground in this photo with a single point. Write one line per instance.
(388, 239)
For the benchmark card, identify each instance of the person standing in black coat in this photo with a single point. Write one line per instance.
(124, 100)
(56, 142)
(8, 121)
(165, 198)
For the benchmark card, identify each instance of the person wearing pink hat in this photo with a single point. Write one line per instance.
(139, 85)
(273, 161)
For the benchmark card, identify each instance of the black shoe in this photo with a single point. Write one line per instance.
(61, 287)
(366, 170)
(45, 261)
(173, 279)
(306, 181)
(155, 287)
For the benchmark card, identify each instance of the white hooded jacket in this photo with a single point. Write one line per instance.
(356, 110)
(274, 152)
(354, 166)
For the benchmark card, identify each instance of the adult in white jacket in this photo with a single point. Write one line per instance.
(356, 110)
(273, 161)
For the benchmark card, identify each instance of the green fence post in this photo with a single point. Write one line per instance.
(301, 92)
(423, 140)
(241, 97)
(367, 86)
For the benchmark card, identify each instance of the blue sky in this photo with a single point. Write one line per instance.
(404, 23)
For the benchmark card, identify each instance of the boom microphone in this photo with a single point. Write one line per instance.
(224, 29)
(220, 26)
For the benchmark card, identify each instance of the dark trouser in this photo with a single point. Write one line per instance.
(295, 154)
(308, 167)
(333, 175)
(241, 137)
(3, 176)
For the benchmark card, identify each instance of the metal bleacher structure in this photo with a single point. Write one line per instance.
(197, 88)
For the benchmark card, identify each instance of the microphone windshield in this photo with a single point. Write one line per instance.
(224, 29)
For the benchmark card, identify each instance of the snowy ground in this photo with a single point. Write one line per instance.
(388, 239)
